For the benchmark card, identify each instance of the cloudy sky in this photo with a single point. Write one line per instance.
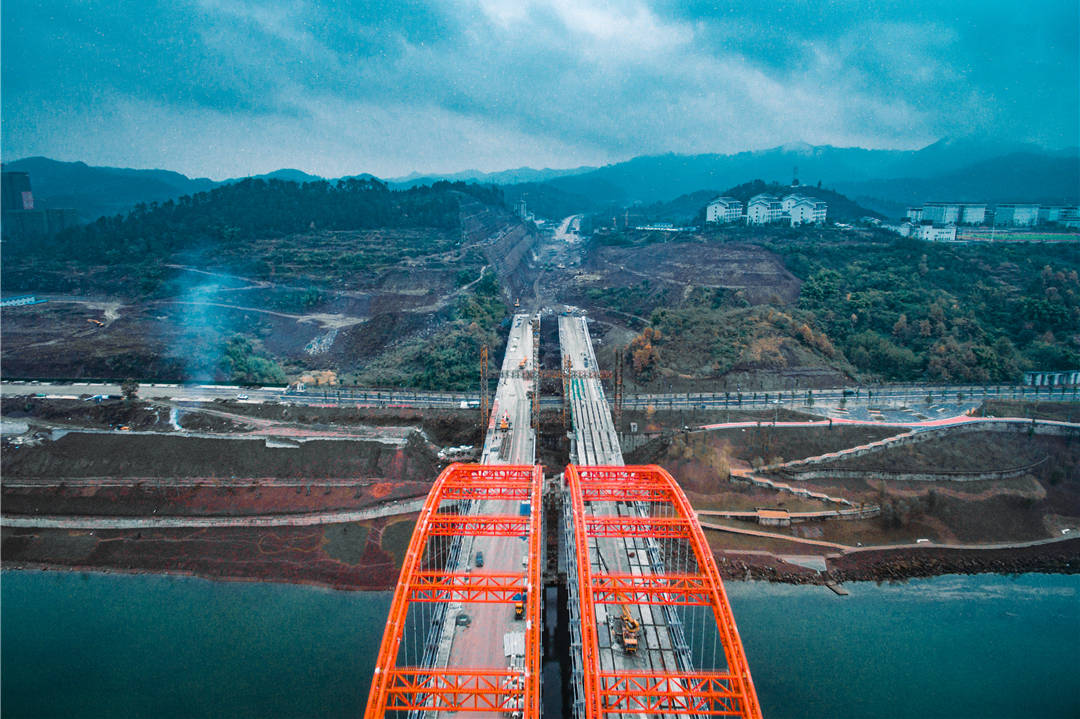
(223, 88)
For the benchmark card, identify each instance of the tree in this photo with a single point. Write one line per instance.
(130, 390)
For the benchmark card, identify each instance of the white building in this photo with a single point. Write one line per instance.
(805, 210)
(949, 213)
(973, 215)
(1059, 214)
(724, 209)
(763, 209)
(942, 213)
(1016, 215)
(1067, 378)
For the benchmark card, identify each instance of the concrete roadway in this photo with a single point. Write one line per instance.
(481, 643)
(596, 442)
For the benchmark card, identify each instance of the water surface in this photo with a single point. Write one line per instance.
(113, 645)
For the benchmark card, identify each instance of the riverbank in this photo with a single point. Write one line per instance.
(888, 565)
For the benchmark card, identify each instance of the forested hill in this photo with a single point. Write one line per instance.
(251, 209)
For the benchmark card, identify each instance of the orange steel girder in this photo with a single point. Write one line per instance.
(681, 589)
(697, 693)
(451, 689)
(481, 588)
(706, 693)
(464, 525)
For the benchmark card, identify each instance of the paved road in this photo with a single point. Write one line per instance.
(305, 519)
(480, 644)
(595, 442)
(848, 549)
(884, 403)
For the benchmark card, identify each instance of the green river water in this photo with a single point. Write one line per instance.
(113, 645)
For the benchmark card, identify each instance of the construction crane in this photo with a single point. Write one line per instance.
(630, 629)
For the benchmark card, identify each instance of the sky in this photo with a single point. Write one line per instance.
(227, 88)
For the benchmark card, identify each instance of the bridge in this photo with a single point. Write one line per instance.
(652, 633)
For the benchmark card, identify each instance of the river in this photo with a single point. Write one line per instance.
(114, 645)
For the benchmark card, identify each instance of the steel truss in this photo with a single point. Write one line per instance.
(417, 689)
(690, 693)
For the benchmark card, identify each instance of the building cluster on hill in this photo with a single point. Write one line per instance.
(796, 208)
(20, 219)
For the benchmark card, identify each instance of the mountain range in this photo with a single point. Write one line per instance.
(967, 169)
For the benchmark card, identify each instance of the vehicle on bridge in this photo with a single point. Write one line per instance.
(630, 629)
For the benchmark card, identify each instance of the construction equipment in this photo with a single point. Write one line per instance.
(630, 629)
(517, 303)
(99, 323)
(519, 605)
(504, 422)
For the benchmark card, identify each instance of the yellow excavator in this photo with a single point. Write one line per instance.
(630, 629)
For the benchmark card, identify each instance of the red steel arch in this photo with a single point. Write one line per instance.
(660, 513)
(511, 691)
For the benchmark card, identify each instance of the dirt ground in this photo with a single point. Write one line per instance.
(350, 556)
(1036, 505)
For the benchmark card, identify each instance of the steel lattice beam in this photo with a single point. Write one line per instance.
(681, 589)
(698, 693)
(465, 525)
(451, 690)
(475, 587)
(653, 527)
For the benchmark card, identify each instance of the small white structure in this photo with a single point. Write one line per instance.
(724, 209)
(763, 209)
(934, 233)
(914, 214)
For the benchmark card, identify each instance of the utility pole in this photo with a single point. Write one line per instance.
(483, 390)
(566, 364)
(617, 407)
(536, 372)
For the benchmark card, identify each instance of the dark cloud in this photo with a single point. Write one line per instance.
(227, 87)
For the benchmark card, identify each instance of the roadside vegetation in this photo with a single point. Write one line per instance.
(912, 310)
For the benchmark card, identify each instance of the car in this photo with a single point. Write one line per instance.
(479, 559)
(241, 396)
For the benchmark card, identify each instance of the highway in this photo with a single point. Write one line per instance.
(855, 402)
(481, 643)
(595, 442)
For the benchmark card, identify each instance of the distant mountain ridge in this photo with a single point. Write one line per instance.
(502, 177)
(884, 180)
(96, 191)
